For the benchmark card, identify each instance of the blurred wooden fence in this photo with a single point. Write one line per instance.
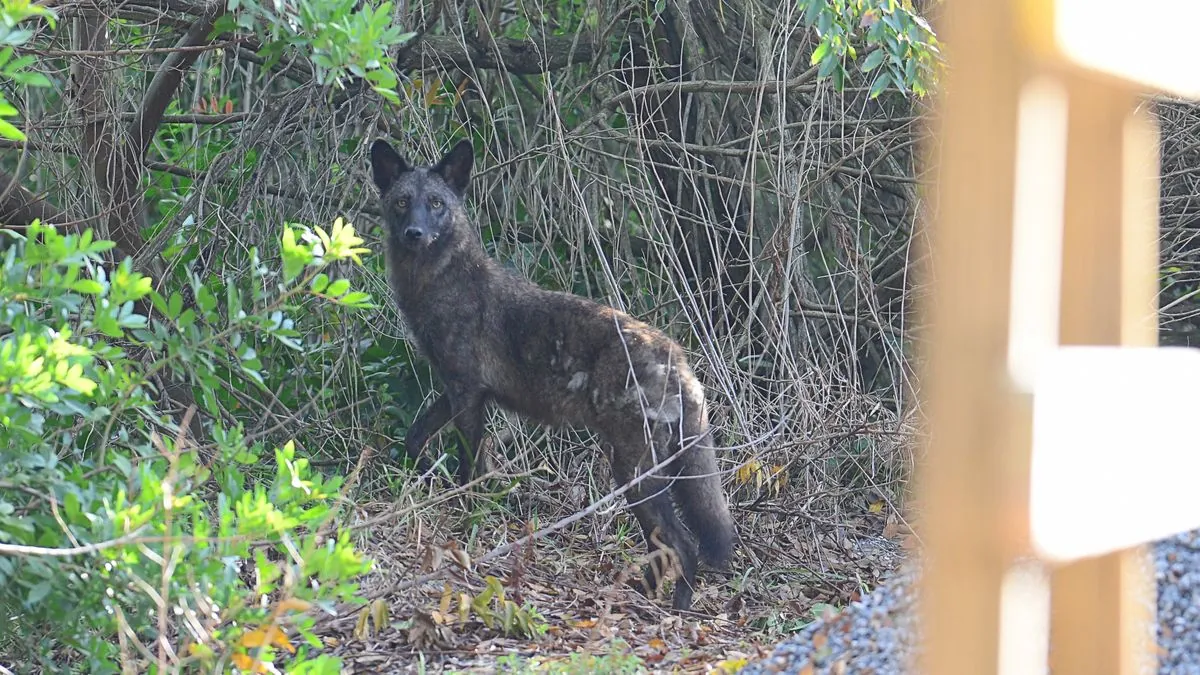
(1044, 236)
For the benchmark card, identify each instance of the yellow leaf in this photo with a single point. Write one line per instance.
(876, 507)
(657, 645)
(281, 640)
(444, 605)
(253, 639)
(269, 635)
(249, 664)
(379, 613)
(779, 477)
(361, 630)
(497, 588)
(747, 471)
(729, 666)
(464, 608)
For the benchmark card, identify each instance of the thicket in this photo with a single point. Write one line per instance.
(198, 340)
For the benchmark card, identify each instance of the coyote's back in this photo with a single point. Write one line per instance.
(494, 337)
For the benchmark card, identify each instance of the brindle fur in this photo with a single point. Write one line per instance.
(494, 337)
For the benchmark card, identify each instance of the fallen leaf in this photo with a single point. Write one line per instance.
(432, 559)
(424, 633)
(461, 557)
(294, 605)
(891, 530)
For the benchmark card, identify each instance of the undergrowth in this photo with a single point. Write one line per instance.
(125, 546)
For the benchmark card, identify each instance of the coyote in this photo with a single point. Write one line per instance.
(492, 336)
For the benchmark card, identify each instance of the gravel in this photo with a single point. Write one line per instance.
(878, 634)
(1177, 564)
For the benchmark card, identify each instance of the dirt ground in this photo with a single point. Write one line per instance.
(566, 599)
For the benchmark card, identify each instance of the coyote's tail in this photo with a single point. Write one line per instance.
(702, 503)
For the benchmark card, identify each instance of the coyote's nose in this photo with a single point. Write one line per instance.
(414, 233)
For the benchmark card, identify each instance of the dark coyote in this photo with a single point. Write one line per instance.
(494, 337)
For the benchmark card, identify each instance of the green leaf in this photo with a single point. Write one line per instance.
(388, 94)
(88, 287)
(839, 77)
(357, 300)
(174, 305)
(74, 379)
(880, 84)
(813, 9)
(828, 67)
(10, 132)
(205, 299)
(819, 53)
(873, 60)
(295, 255)
(320, 282)
(31, 79)
(38, 593)
(338, 288)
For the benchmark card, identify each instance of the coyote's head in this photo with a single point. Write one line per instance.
(422, 206)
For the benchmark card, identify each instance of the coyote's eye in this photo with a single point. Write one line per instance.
(435, 203)
(402, 203)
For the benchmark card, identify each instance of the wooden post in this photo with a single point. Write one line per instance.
(1100, 606)
(977, 466)
(965, 381)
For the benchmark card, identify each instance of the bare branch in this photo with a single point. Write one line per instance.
(142, 51)
(166, 80)
(85, 549)
(20, 207)
(518, 57)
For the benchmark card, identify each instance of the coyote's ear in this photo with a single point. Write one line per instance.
(386, 165)
(455, 167)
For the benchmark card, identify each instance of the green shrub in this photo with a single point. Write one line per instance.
(122, 541)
